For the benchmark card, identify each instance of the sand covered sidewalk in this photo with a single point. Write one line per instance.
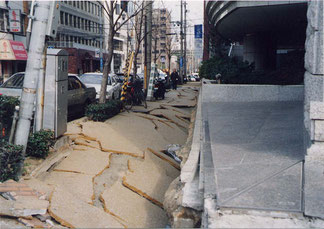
(116, 174)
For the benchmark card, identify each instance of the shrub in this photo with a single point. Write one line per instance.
(11, 160)
(39, 143)
(101, 112)
(230, 69)
(7, 109)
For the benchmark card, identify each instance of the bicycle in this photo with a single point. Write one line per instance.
(134, 95)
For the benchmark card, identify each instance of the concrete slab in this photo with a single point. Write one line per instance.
(78, 162)
(78, 184)
(72, 212)
(133, 210)
(128, 125)
(172, 116)
(256, 149)
(150, 178)
(314, 188)
(110, 139)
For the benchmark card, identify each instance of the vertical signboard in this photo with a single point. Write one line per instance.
(198, 31)
(198, 43)
(14, 21)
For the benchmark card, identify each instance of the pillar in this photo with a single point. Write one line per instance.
(314, 112)
(260, 49)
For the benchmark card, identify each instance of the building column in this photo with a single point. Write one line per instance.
(314, 112)
(260, 49)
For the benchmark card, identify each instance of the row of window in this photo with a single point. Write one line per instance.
(87, 6)
(80, 23)
(81, 40)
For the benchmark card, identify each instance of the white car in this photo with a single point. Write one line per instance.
(93, 79)
(192, 78)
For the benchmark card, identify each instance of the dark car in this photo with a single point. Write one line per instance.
(78, 94)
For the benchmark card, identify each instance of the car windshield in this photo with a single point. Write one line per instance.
(16, 81)
(91, 78)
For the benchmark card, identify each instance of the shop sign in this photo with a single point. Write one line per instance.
(14, 21)
(12, 50)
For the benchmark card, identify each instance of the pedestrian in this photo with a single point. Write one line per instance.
(174, 79)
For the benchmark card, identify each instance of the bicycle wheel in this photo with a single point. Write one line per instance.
(142, 96)
(128, 102)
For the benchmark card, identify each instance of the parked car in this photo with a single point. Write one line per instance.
(78, 94)
(196, 75)
(93, 79)
(192, 78)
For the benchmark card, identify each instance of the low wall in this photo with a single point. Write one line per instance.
(251, 93)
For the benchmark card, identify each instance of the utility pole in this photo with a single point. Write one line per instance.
(185, 40)
(181, 42)
(35, 52)
(145, 53)
(148, 47)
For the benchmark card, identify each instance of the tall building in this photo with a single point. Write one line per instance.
(161, 28)
(80, 32)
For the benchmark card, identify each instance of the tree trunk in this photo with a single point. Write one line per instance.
(107, 65)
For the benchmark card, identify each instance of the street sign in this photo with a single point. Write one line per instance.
(14, 21)
(97, 53)
(181, 62)
(198, 31)
(101, 64)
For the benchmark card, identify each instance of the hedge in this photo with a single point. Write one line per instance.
(101, 112)
(11, 161)
(7, 109)
(39, 143)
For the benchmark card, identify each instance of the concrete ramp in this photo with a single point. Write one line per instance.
(257, 149)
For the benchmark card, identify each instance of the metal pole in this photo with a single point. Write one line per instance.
(30, 20)
(145, 53)
(35, 52)
(181, 42)
(185, 41)
(149, 10)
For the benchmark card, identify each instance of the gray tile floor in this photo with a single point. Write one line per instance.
(257, 150)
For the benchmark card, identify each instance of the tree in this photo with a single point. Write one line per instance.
(114, 26)
(169, 49)
(139, 33)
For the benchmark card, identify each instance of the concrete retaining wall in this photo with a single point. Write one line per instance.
(251, 93)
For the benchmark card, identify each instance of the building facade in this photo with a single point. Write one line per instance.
(161, 29)
(13, 24)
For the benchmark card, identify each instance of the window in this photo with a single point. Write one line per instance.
(81, 4)
(86, 6)
(61, 17)
(66, 18)
(75, 21)
(117, 9)
(78, 4)
(70, 20)
(74, 83)
(74, 3)
(79, 22)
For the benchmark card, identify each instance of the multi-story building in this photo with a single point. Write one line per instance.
(83, 32)
(13, 55)
(161, 27)
(80, 32)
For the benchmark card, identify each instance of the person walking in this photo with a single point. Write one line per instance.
(174, 79)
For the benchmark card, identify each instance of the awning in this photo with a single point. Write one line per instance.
(12, 50)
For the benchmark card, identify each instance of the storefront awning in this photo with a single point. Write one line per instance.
(12, 50)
